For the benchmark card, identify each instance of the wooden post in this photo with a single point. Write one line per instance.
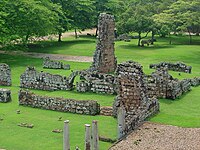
(95, 136)
(66, 145)
(87, 137)
(121, 122)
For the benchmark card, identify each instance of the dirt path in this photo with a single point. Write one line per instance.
(51, 56)
(152, 136)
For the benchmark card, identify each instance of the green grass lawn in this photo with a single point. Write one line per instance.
(181, 112)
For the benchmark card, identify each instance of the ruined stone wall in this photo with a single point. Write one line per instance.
(104, 58)
(45, 81)
(52, 64)
(162, 85)
(5, 75)
(178, 66)
(88, 107)
(96, 82)
(132, 95)
(5, 95)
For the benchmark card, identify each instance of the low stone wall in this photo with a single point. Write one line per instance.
(5, 95)
(88, 107)
(5, 75)
(96, 82)
(52, 64)
(178, 66)
(46, 81)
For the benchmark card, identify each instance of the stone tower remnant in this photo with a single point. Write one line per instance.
(104, 58)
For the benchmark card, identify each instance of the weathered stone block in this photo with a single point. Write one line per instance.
(5, 95)
(5, 75)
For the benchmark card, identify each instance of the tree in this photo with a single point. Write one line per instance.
(135, 19)
(182, 15)
(29, 18)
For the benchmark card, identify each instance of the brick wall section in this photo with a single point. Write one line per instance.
(33, 79)
(5, 95)
(178, 66)
(5, 75)
(104, 58)
(88, 107)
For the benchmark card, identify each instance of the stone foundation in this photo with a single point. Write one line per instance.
(5, 75)
(52, 64)
(179, 66)
(5, 95)
(45, 81)
(88, 107)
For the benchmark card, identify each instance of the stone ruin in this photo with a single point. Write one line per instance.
(52, 64)
(33, 79)
(5, 75)
(96, 82)
(5, 95)
(89, 107)
(162, 85)
(178, 66)
(132, 97)
(104, 58)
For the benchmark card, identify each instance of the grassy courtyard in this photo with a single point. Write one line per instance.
(181, 112)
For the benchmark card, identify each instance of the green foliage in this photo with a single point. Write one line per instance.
(28, 18)
(182, 15)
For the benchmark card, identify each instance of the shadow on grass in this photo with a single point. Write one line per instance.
(53, 45)
(151, 47)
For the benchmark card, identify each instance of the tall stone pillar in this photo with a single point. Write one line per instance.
(104, 58)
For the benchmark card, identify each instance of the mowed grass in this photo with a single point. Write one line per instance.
(13, 137)
(181, 112)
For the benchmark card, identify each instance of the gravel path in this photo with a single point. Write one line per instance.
(152, 136)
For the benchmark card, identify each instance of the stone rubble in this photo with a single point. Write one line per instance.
(89, 107)
(5, 75)
(104, 58)
(178, 66)
(5, 95)
(33, 79)
(52, 64)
